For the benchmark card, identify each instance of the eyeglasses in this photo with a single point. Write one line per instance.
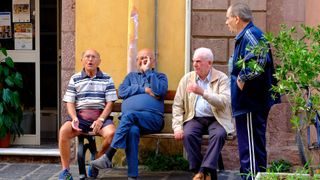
(90, 56)
(140, 58)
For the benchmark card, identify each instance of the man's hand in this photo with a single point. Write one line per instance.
(194, 88)
(149, 91)
(145, 64)
(96, 126)
(178, 135)
(240, 84)
(75, 124)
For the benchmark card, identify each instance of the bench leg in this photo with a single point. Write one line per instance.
(158, 146)
(81, 157)
(220, 163)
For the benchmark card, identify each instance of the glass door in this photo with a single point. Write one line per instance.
(21, 39)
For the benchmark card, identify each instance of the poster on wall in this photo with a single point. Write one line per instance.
(5, 25)
(21, 11)
(23, 36)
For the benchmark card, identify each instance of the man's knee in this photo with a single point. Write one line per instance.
(189, 135)
(66, 131)
(134, 130)
(108, 132)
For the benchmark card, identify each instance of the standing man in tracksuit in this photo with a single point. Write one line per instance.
(251, 95)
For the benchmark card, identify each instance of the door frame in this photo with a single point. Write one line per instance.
(32, 56)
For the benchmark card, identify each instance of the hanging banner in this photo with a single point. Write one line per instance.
(132, 36)
(21, 11)
(5, 25)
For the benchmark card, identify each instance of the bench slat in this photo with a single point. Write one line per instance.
(229, 137)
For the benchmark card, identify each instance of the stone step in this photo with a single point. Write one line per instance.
(35, 155)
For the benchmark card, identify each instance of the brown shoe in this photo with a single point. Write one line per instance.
(198, 176)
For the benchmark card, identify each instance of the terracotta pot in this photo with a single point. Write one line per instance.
(5, 142)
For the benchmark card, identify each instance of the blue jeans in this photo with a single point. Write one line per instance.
(127, 135)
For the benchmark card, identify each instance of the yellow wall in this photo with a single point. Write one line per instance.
(103, 25)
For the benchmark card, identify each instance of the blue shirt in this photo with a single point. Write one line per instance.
(90, 93)
(203, 108)
(132, 90)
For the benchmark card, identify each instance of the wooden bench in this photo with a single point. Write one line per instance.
(82, 148)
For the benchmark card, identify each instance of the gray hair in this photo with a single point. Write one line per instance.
(241, 10)
(204, 53)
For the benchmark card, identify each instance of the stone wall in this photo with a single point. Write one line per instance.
(208, 29)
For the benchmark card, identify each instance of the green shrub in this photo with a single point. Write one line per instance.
(280, 166)
(162, 162)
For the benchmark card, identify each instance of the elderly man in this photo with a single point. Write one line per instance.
(143, 95)
(202, 106)
(251, 95)
(89, 99)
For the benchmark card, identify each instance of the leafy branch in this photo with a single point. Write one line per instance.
(297, 69)
(11, 84)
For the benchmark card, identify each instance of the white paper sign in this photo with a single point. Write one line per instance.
(5, 25)
(21, 10)
(23, 36)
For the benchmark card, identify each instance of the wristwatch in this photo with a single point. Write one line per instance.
(101, 119)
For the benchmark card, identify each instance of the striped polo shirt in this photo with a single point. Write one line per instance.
(90, 93)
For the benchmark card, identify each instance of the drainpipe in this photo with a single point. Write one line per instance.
(187, 36)
(156, 31)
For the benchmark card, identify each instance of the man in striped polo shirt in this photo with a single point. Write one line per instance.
(89, 99)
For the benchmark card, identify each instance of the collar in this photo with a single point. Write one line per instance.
(152, 69)
(249, 25)
(207, 79)
(213, 75)
(99, 73)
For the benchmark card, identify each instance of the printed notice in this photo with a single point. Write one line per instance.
(5, 25)
(23, 36)
(21, 11)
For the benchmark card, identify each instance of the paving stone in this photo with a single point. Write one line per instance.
(32, 171)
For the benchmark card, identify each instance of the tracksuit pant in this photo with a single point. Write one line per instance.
(251, 134)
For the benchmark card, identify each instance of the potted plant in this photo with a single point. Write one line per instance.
(10, 106)
(297, 56)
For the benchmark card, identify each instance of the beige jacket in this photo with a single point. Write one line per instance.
(218, 95)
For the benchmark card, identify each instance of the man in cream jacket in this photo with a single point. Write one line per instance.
(202, 106)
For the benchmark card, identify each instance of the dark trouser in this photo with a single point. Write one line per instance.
(193, 131)
(251, 135)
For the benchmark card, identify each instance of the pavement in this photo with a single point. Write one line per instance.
(41, 171)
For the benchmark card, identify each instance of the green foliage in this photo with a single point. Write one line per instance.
(162, 162)
(11, 84)
(298, 67)
(280, 166)
(260, 51)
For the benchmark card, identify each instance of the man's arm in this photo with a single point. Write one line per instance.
(157, 82)
(127, 89)
(222, 98)
(71, 108)
(97, 124)
(247, 73)
(178, 109)
(107, 110)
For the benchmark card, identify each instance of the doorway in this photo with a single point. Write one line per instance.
(49, 70)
